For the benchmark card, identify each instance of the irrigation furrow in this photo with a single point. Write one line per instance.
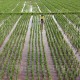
(8, 36)
(67, 39)
(48, 57)
(23, 65)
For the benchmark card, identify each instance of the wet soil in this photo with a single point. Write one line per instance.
(23, 65)
(78, 78)
(53, 72)
(8, 36)
(66, 39)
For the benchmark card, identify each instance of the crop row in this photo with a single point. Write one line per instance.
(11, 6)
(42, 7)
(61, 5)
(2, 17)
(66, 64)
(36, 59)
(74, 18)
(11, 55)
(69, 30)
(7, 26)
(34, 7)
(54, 6)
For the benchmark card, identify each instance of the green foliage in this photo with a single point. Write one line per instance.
(65, 62)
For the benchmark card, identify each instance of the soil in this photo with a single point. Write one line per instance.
(23, 65)
(66, 39)
(53, 72)
(8, 36)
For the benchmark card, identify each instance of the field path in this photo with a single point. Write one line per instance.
(8, 36)
(67, 39)
(48, 56)
(23, 65)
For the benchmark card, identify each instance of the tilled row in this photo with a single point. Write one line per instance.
(11, 55)
(36, 59)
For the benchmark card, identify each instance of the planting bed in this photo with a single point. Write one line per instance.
(24, 55)
(31, 50)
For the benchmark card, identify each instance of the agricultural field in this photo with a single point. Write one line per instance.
(34, 50)
(29, 51)
(53, 6)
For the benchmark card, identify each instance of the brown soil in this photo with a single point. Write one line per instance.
(66, 39)
(53, 72)
(8, 36)
(5, 78)
(23, 65)
(78, 78)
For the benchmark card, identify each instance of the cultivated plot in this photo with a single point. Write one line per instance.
(31, 50)
(39, 6)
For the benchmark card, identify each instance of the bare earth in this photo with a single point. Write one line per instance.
(23, 65)
(53, 72)
(8, 36)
